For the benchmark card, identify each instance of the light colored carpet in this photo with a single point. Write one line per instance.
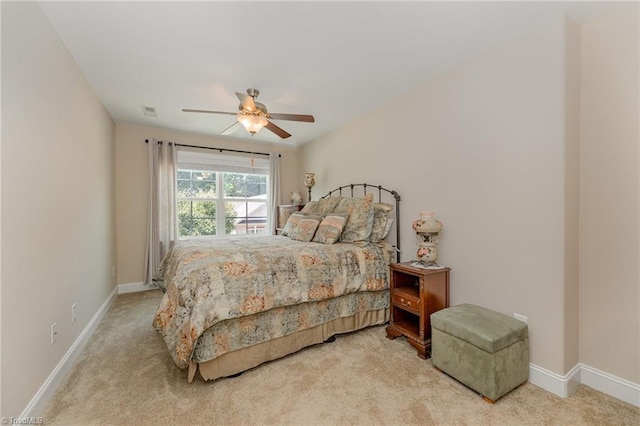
(125, 376)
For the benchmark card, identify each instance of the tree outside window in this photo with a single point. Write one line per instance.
(243, 200)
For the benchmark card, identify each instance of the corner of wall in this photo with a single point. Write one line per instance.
(609, 296)
(572, 193)
(565, 385)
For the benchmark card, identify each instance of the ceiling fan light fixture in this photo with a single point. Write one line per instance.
(253, 123)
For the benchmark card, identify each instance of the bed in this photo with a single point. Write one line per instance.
(231, 304)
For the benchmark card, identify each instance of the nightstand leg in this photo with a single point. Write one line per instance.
(424, 351)
(393, 332)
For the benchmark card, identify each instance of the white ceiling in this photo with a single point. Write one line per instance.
(335, 60)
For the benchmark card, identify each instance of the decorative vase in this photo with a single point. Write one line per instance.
(296, 198)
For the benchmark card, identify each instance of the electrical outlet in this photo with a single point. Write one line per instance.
(74, 312)
(54, 332)
(520, 318)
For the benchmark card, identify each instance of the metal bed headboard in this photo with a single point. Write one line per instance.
(338, 192)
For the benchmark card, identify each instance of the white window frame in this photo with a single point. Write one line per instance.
(199, 160)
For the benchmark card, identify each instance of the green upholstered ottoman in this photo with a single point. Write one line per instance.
(486, 350)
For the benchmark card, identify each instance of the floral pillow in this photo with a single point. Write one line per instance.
(305, 229)
(294, 220)
(329, 204)
(387, 228)
(380, 212)
(330, 228)
(360, 218)
(312, 207)
(322, 206)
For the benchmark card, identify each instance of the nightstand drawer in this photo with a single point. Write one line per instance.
(407, 298)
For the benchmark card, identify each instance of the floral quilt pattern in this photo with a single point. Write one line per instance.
(232, 335)
(210, 281)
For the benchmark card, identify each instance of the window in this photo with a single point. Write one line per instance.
(221, 194)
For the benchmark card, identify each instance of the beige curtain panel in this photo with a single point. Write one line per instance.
(162, 230)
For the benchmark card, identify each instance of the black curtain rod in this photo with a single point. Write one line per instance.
(218, 149)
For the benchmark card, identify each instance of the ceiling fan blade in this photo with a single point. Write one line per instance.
(207, 111)
(247, 102)
(277, 130)
(293, 117)
(229, 130)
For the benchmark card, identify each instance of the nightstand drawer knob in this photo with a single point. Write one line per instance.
(406, 302)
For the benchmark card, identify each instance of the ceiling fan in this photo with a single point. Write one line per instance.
(254, 116)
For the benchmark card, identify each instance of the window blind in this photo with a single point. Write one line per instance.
(191, 159)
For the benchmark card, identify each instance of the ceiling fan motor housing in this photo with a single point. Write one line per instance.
(260, 109)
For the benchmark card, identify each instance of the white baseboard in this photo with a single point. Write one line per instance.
(39, 401)
(564, 386)
(135, 287)
(549, 381)
(611, 385)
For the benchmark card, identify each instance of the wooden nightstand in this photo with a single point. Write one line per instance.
(415, 294)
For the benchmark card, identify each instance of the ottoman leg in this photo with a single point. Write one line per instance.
(490, 401)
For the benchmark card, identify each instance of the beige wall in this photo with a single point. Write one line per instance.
(131, 175)
(58, 198)
(529, 155)
(609, 200)
(483, 147)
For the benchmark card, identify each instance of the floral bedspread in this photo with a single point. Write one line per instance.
(209, 281)
(232, 335)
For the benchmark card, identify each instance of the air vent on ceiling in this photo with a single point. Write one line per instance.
(149, 111)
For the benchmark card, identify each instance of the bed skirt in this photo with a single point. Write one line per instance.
(243, 359)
